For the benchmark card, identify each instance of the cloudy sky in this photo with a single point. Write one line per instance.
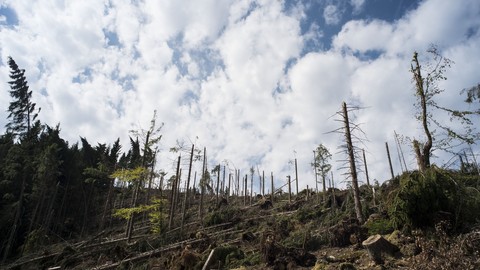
(255, 82)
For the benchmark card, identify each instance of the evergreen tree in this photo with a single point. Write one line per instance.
(21, 109)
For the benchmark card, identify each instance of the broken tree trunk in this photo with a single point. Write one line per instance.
(353, 169)
(389, 160)
(366, 168)
(202, 185)
(376, 245)
(185, 202)
(273, 189)
(296, 175)
(289, 190)
(174, 195)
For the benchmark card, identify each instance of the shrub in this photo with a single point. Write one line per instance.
(379, 226)
(421, 197)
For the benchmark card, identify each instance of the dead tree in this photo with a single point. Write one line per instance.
(389, 160)
(350, 152)
(422, 153)
(174, 195)
(218, 183)
(289, 189)
(366, 167)
(316, 177)
(202, 184)
(273, 189)
(296, 174)
(188, 185)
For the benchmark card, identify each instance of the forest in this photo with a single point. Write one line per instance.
(107, 206)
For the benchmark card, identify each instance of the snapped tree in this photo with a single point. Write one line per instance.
(426, 89)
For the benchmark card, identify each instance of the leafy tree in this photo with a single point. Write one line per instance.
(321, 163)
(21, 109)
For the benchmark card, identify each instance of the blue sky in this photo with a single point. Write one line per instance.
(256, 82)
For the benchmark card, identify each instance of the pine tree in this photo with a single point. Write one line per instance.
(21, 109)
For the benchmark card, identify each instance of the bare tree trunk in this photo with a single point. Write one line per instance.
(273, 189)
(289, 190)
(245, 190)
(296, 174)
(218, 184)
(366, 168)
(332, 185)
(202, 185)
(263, 183)
(316, 178)
(251, 190)
(389, 160)
(150, 179)
(223, 181)
(174, 195)
(423, 155)
(188, 185)
(353, 169)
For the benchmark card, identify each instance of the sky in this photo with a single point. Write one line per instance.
(258, 83)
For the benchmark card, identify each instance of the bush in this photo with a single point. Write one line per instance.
(221, 216)
(421, 197)
(379, 226)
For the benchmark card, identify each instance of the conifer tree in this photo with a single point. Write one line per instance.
(21, 109)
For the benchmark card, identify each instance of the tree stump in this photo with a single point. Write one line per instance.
(376, 245)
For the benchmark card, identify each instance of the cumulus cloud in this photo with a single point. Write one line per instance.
(242, 78)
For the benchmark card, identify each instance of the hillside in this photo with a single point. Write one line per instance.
(304, 231)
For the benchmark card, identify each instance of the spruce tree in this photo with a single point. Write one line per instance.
(22, 109)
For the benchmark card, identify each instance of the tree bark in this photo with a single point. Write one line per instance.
(174, 195)
(296, 175)
(188, 185)
(202, 185)
(389, 160)
(353, 169)
(289, 190)
(366, 168)
(423, 155)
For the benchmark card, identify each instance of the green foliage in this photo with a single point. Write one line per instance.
(21, 109)
(379, 226)
(130, 175)
(305, 214)
(321, 162)
(157, 215)
(222, 216)
(154, 210)
(421, 197)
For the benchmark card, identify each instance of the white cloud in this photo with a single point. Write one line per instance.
(357, 5)
(332, 14)
(233, 73)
